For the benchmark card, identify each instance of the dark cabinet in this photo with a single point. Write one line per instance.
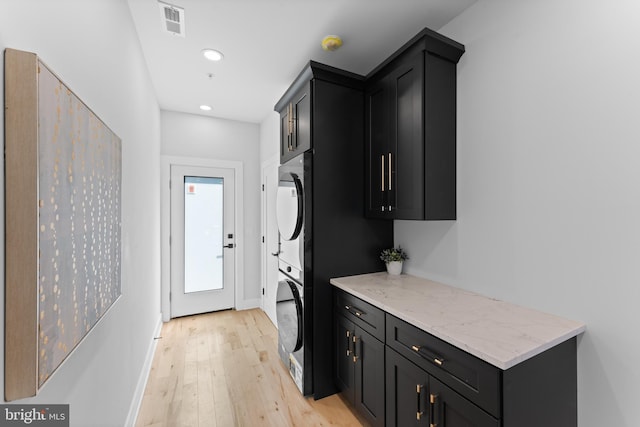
(395, 148)
(465, 391)
(399, 375)
(407, 392)
(345, 368)
(414, 398)
(323, 118)
(359, 361)
(295, 124)
(410, 131)
(449, 409)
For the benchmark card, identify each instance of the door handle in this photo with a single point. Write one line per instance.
(229, 246)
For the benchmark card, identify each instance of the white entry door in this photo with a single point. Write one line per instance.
(270, 246)
(202, 240)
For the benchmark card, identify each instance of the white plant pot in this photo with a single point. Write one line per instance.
(394, 268)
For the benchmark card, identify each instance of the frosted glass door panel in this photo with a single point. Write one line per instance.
(202, 240)
(203, 234)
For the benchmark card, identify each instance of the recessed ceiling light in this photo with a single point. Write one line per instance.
(212, 54)
(205, 108)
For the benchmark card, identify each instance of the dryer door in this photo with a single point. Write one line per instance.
(289, 206)
(289, 314)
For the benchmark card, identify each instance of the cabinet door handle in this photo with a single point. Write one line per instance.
(428, 355)
(382, 205)
(348, 343)
(294, 132)
(290, 114)
(390, 171)
(355, 342)
(390, 185)
(355, 310)
(419, 411)
(433, 400)
(382, 174)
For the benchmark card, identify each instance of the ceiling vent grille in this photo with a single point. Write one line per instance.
(172, 18)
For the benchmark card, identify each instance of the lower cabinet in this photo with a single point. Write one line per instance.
(414, 398)
(360, 369)
(396, 374)
(407, 392)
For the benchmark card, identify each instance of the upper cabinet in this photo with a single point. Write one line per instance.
(410, 130)
(295, 124)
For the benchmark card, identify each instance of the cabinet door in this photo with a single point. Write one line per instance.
(407, 392)
(344, 367)
(395, 141)
(407, 195)
(286, 137)
(377, 150)
(302, 120)
(295, 125)
(369, 377)
(449, 409)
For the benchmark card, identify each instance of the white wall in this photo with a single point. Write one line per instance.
(190, 135)
(549, 180)
(270, 137)
(93, 47)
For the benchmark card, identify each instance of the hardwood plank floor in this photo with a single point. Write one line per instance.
(223, 369)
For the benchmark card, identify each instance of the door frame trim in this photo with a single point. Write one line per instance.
(165, 225)
(264, 252)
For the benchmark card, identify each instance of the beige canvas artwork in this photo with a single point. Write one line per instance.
(63, 204)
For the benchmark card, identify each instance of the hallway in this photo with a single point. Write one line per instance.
(222, 369)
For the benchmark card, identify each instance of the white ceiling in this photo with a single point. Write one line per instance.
(266, 43)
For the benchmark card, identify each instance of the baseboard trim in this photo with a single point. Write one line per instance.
(136, 401)
(248, 304)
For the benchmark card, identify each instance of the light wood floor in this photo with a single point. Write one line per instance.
(222, 369)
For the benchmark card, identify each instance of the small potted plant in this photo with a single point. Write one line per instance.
(393, 258)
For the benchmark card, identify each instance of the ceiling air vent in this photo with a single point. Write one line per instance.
(172, 18)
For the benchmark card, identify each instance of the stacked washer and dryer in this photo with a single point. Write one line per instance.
(290, 295)
(321, 217)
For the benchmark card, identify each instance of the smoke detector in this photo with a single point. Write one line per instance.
(172, 18)
(331, 43)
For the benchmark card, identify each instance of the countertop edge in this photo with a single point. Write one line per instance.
(502, 364)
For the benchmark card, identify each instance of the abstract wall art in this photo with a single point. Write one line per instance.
(62, 222)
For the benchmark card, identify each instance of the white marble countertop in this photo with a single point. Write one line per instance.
(495, 331)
